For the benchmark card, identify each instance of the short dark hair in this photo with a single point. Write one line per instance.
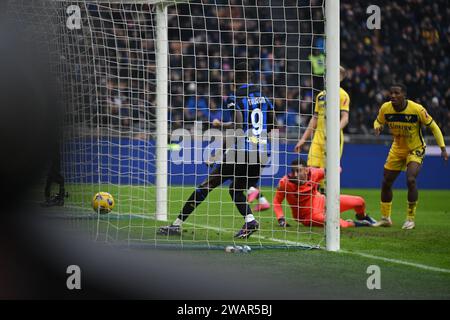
(401, 86)
(299, 162)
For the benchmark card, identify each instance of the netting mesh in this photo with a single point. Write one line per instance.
(105, 57)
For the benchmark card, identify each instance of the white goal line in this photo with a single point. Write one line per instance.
(365, 255)
(293, 243)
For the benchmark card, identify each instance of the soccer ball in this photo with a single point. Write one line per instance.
(103, 202)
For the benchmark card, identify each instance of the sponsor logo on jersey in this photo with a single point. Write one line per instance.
(408, 118)
(256, 100)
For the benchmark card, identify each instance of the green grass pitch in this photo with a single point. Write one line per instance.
(414, 263)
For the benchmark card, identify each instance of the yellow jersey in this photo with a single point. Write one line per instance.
(406, 125)
(320, 111)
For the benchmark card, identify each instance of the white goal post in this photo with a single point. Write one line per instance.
(161, 113)
(332, 27)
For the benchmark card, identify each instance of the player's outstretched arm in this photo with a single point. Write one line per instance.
(444, 153)
(378, 127)
(344, 119)
(378, 124)
(277, 207)
(437, 133)
(307, 134)
(223, 125)
(229, 133)
(239, 120)
(234, 126)
(237, 124)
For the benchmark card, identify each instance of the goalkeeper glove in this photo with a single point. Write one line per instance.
(282, 222)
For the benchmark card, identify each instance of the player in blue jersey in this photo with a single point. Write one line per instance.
(252, 117)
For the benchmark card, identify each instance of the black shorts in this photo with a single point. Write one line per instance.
(242, 175)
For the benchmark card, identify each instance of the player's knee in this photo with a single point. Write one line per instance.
(360, 201)
(411, 181)
(387, 183)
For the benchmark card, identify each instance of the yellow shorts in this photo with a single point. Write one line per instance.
(398, 159)
(317, 154)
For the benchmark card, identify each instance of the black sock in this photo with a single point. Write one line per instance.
(193, 202)
(240, 201)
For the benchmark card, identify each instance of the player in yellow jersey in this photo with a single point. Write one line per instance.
(405, 119)
(317, 126)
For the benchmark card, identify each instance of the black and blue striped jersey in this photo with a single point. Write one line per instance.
(255, 109)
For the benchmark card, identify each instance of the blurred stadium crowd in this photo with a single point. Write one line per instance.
(284, 46)
(412, 47)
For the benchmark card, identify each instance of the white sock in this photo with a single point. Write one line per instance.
(251, 190)
(263, 200)
(249, 218)
(177, 222)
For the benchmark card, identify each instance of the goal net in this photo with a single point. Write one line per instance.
(147, 86)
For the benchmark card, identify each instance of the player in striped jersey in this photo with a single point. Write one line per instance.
(252, 119)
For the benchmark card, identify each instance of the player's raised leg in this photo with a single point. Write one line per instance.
(252, 194)
(263, 204)
(389, 177)
(412, 171)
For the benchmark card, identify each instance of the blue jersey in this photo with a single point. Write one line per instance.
(254, 108)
